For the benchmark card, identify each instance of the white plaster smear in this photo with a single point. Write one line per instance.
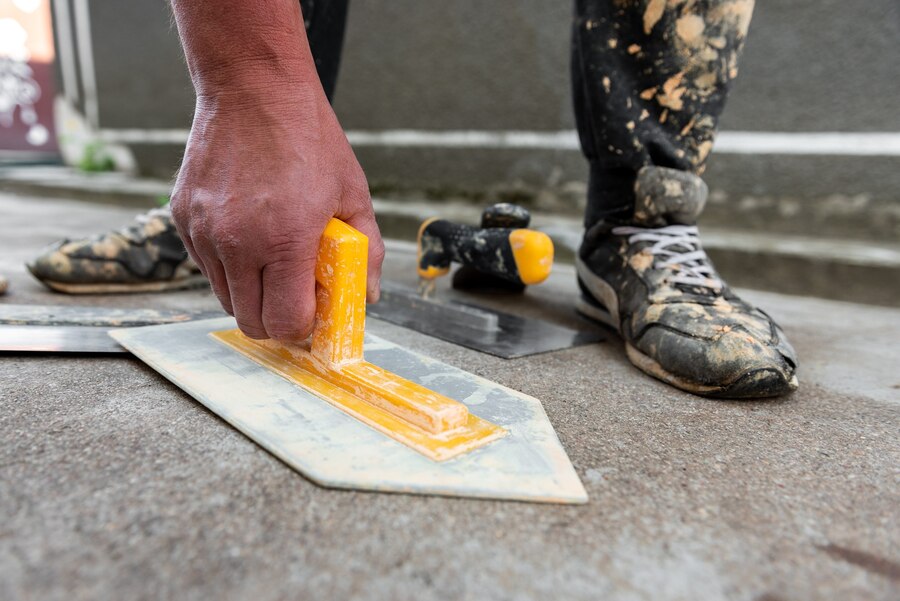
(334, 449)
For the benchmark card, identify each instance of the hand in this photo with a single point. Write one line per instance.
(259, 181)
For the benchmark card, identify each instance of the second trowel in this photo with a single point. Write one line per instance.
(502, 256)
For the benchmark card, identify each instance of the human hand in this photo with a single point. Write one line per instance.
(259, 181)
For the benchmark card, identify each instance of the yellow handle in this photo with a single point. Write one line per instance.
(533, 252)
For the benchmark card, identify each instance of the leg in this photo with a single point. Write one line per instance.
(650, 78)
(325, 22)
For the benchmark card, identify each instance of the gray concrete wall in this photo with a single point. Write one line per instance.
(141, 74)
(809, 65)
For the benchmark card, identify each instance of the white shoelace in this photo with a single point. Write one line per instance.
(677, 247)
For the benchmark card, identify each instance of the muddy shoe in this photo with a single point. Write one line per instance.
(652, 281)
(147, 256)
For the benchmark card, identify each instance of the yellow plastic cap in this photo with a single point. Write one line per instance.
(533, 252)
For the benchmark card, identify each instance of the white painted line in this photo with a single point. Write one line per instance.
(144, 136)
(817, 143)
(551, 140)
(65, 53)
(729, 142)
(86, 58)
(733, 142)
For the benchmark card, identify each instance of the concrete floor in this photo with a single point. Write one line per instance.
(114, 484)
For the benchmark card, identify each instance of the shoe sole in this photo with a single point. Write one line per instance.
(194, 281)
(649, 366)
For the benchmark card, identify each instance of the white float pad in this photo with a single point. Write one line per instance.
(335, 450)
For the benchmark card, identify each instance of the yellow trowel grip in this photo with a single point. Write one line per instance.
(332, 365)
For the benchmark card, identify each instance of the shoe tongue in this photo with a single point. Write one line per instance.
(666, 196)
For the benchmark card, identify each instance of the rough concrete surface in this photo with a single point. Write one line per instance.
(114, 484)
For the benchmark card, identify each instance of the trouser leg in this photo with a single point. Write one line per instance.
(649, 80)
(325, 21)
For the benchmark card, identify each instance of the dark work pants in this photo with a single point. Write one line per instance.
(649, 81)
(325, 21)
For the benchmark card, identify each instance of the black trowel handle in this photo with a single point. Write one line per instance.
(513, 254)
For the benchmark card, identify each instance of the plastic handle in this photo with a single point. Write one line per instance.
(513, 254)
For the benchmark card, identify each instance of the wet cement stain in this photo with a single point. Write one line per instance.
(867, 561)
(770, 597)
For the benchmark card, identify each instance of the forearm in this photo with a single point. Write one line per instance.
(266, 165)
(241, 49)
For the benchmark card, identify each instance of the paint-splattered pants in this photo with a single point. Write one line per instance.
(649, 81)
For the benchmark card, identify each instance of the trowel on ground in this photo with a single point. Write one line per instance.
(351, 410)
(76, 329)
(501, 257)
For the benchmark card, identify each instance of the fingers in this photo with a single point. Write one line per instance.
(245, 289)
(289, 292)
(212, 268)
(364, 221)
(215, 273)
(192, 253)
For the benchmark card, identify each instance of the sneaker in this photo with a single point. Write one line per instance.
(147, 256)
(651, 280)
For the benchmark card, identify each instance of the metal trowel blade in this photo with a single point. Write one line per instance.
(57, 339)
(493, 332)
(76, 329)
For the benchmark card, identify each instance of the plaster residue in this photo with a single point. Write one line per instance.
(649, 93)
(641, 261)
(737, 12)
(155, 227)
(107, 247)
(673, 188)
(671, 94)
(653, 14)
(690, 29)
(705, 83)
(690, 125)
(704, 149)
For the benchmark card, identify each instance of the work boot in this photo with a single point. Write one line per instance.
(147, 256)
(651, 280)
